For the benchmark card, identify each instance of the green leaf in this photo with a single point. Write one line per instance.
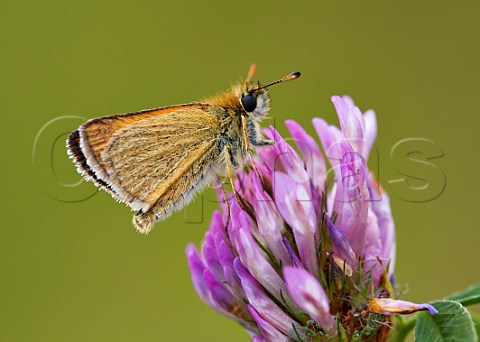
(452, 323)
(469, 296)
(476, 321)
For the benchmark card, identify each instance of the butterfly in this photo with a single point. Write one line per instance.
(156, 160)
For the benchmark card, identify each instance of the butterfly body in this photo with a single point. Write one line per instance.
(156, 160)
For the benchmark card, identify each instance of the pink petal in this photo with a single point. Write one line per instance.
(265, 306)
(310, 296)
(295, 204)
(311, 153)
(269, 332)
(389, 306)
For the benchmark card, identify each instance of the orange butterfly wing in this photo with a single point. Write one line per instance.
(89, 144)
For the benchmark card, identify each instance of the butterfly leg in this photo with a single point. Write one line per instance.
(228, 162)
(257, 140)
(260, 142)
(227, 203)
(246, 135)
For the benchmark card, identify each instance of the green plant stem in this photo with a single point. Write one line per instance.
(402, 328)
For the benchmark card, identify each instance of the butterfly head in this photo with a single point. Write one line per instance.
(254, 97)
(249, 98)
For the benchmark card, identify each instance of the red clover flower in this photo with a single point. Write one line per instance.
(310, 254)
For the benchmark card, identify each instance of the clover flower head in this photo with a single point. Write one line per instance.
(309, 254)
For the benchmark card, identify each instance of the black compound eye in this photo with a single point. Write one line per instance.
(249, 103)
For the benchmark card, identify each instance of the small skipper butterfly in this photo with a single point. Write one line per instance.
(156, 160)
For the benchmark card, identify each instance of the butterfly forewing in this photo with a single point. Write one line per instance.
(147, 159)
(153, 160)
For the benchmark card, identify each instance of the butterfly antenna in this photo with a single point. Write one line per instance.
(289, 77)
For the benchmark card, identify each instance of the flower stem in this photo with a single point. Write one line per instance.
(402, 328)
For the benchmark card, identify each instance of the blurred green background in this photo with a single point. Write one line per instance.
(75, 269)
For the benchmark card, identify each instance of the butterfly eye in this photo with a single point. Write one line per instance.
(249, 103)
